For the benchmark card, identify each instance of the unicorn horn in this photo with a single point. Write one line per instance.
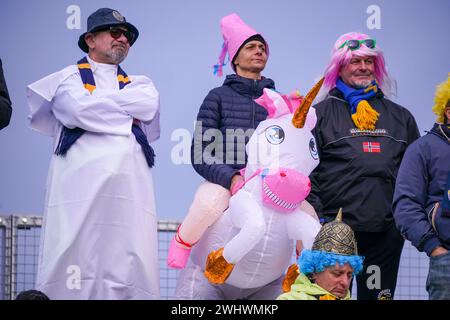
(299, 118)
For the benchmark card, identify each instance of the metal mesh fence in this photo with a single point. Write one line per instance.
(19, 247)
(412, 276)
(5, 257)
(23, 235)
(2, 258)
(25, 244)
(167, 276)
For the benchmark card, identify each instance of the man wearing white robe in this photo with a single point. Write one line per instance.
(99, 238)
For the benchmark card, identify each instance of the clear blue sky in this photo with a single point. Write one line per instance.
(179, 42)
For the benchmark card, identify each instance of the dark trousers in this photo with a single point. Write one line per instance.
(381, 251)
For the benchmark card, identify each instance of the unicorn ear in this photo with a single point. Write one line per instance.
(267, 103)
(311, 118)
(274, 102)
(295, 100)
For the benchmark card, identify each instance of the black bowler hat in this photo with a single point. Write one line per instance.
(103, 18)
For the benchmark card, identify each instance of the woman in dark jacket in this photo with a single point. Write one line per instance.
(225, 122)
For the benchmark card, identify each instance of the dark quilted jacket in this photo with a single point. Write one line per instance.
(214, 156)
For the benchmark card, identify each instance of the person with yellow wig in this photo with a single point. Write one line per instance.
(422, 196)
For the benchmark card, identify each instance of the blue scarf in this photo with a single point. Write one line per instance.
(363, 115)
(70, 136)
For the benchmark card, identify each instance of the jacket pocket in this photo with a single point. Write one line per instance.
(440, 220)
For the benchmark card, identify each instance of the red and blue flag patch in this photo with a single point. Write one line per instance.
(371, 147)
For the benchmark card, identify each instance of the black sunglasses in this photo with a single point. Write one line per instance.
(116, 32)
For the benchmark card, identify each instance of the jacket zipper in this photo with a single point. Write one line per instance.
(255, 86)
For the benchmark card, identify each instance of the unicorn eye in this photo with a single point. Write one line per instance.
(313, 149)
(275, 134)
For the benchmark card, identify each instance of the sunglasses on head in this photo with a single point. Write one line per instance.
(355, 44)
(116, 32)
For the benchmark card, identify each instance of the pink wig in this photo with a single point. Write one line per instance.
(341, 57)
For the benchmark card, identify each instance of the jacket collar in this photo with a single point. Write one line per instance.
(248, 87)
(436, 131)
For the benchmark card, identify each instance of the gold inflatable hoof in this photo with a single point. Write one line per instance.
(217, 268)
(291, 275)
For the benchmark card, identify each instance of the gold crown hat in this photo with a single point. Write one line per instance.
(335, 243)
(336, 237)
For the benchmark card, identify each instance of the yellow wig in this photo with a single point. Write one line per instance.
(441, 98)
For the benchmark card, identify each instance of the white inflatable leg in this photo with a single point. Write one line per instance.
(210, 201)
(309, 209)
(246, 215)
(301, 226)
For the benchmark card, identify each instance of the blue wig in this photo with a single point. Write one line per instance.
(312, 261)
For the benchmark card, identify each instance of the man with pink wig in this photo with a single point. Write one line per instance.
(361, 138)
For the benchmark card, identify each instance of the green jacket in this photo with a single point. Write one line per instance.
(303, 289)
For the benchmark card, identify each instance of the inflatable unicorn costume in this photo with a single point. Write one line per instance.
(245, 253)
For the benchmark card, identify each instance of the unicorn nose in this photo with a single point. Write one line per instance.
(286, 188)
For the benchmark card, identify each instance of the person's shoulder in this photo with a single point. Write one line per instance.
(393, 104)
(61, 75)
(323, 104)
(328, 105)
(432, 136)
(326, 98)
(69, 71)
(141, 79)
(219, 89)
(423, 144)
(218, 92)
(397, 107)
(50, 83)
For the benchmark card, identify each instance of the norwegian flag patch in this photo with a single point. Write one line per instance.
(371, 147)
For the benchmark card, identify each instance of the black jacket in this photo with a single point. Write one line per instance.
(5, 102)
(230, 106)
(357, 169)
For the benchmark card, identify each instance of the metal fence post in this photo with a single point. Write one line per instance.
(7, 224)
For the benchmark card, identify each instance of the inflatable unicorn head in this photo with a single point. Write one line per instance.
(284, 149)
(277, 142)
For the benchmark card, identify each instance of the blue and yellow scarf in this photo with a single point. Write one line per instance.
(363, 115)
(70, 136)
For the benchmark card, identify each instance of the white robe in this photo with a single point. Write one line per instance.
(99, 239)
